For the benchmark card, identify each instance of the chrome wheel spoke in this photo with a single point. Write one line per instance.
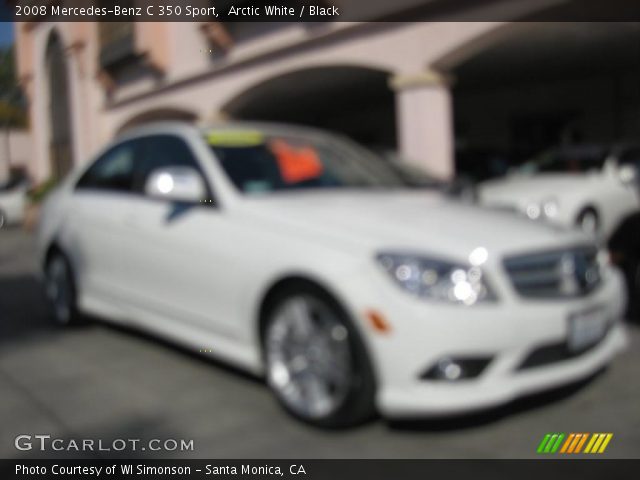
(316, 395)
(308, 357)
(302, 327)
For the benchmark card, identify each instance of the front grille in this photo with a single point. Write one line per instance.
(556, 274)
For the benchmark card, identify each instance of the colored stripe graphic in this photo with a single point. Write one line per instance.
(555, 447)
(573, 443)
(606, 441)
(581, 442)
(550, 443)
(543, 443)
(567, 442)
(576, 439)
(598, 443)
(594, 437)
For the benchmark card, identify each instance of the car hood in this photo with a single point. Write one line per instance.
(522, 188)
(417, 221)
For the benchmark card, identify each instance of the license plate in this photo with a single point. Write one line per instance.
(586, 328)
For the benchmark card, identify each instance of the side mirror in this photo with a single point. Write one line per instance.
(178, 184)
(627, 174)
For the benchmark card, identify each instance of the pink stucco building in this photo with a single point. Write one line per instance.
(425, 87)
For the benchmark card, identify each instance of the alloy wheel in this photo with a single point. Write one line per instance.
(308, 357)
(59, 289)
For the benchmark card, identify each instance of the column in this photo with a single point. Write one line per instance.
(424, 121)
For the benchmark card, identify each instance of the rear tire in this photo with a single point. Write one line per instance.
(316, 363)
(61, 291)
(2, 219)
(588, 221)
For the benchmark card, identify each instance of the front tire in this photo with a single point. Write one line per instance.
(61, 290)
(316, 364)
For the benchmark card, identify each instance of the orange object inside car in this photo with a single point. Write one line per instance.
(296, 164)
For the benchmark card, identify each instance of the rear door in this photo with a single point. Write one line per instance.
(96, 225)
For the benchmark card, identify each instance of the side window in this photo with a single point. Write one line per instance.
(112, 171)
(162, 151)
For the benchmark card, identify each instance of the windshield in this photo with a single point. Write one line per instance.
(572, 160)
(257, 162)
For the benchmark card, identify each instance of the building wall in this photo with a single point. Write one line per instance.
(192, 81)
(15, 151)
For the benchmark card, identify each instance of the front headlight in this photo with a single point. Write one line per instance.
(548, 208)
(437, 279)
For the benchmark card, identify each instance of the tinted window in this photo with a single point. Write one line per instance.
(256, 163)
(569, 159)
(631, 157)
(113, 170)
(163, 151)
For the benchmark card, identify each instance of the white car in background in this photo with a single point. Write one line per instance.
(591, 187)
(298, 255)
(13, 202)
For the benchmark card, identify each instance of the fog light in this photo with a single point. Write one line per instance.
(449, 369)
(452, 369)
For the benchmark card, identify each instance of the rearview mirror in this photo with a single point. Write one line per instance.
(179, 184)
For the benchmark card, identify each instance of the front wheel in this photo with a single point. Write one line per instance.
(315, 362)
(61, 290)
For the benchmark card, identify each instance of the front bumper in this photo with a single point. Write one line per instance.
(430, 398)
(507, 332)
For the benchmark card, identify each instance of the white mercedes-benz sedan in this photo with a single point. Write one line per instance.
(590, 186)
(300, 256)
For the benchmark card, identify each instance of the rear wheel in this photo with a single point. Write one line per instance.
(315, 362)
(588, 221)
(61, 290)
(2, 219)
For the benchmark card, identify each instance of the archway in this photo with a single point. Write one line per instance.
(60, 127)
(355, 101)
(157, 115)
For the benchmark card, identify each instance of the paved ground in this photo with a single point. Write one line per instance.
(101, 382)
